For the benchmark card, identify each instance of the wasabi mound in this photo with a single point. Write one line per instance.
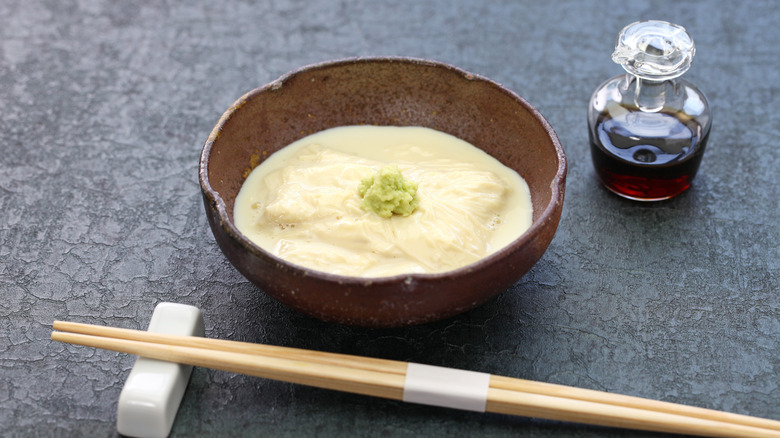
(387, 193)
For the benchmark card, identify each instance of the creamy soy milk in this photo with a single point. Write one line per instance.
(302, 203)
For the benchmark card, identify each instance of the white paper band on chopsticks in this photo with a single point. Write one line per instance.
(446, 387)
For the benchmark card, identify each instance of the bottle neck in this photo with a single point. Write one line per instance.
(650, 96)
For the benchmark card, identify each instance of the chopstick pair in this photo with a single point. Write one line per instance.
(393, 380)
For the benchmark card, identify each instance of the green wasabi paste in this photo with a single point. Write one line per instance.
(388, 192)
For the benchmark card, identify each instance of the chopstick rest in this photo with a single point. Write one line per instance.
(446, 387)
(154, 389)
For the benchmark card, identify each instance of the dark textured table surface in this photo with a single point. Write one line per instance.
(104, 107)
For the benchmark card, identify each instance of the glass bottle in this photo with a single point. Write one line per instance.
(648, 128)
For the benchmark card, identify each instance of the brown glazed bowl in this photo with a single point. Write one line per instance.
(383, 91)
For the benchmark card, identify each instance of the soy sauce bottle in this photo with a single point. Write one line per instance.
(648, 128)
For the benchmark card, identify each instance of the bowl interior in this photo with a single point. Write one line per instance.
(400, 93)
(380, 91)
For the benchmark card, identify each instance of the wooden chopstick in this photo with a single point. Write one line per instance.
(302, 372)
(398, 367)
(385, 379)
(357, 362)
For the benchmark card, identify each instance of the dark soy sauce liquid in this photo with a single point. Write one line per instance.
(647, 156)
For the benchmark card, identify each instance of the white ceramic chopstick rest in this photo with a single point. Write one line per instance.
(153, 391)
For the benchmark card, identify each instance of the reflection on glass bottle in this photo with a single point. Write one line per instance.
(648, 128)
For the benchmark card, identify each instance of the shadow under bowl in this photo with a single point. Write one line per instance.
(383, 91)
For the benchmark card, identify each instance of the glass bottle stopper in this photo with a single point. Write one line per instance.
(654, 50)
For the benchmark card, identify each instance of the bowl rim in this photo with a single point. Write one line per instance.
(557, 185)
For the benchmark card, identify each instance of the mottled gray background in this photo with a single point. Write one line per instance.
(104, 107)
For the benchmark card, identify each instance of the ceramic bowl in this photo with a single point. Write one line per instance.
(383, 91)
